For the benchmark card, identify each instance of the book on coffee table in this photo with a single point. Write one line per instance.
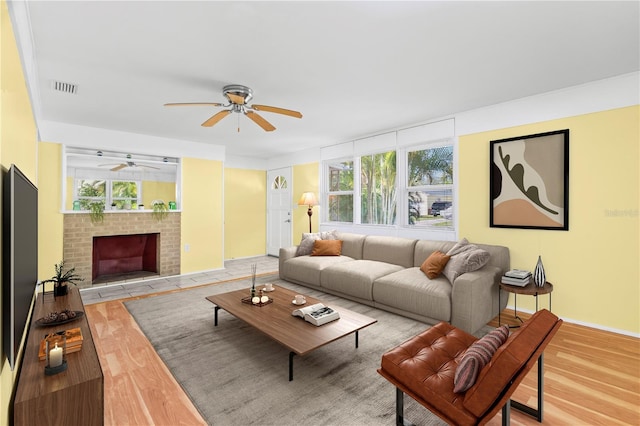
(317, 314)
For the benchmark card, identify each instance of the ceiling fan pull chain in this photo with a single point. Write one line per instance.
(238, 123)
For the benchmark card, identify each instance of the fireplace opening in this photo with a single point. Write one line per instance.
(122, 257)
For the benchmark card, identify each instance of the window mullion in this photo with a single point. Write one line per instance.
(357, 190)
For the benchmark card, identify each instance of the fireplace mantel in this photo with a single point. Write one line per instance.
(79, 232)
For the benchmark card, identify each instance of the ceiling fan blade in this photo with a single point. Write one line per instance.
(260, 121)
(216, 117)
(120, 167)
(277, 110)
(236, 99)
(147, 167)
(193, 104)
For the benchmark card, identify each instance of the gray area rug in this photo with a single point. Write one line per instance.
(235, 375)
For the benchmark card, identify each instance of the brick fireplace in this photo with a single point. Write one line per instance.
(145, 245)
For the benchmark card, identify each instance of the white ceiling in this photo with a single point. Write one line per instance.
(353, 69)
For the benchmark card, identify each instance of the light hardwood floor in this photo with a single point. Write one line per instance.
(592, 377)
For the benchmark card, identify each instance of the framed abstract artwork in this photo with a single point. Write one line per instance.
(529, 178)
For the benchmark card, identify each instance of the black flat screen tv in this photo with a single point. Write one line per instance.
(19, 258)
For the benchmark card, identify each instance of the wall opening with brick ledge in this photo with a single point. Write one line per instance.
(79, 248)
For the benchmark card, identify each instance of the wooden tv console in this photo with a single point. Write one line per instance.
(73, 397)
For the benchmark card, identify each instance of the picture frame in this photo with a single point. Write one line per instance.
(529, 181)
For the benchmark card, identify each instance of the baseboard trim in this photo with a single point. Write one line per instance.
(585, 324)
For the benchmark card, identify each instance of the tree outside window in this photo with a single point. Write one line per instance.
(119, 194)
(124, 194)
(91, 191)
(378, 188)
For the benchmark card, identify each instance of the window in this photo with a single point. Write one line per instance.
(91, 191)
(340, 191)
(280, 182)
(116, 193)
(378, 188)
(412, 187)
(124, 194)
(429, 187)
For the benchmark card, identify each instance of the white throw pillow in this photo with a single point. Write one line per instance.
(465, 258)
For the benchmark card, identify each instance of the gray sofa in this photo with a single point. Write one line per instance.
(384, 272)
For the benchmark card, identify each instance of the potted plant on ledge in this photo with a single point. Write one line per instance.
(61, 280)
(96, 212)
(160, 210)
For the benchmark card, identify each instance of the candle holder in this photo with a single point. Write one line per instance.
(56, 361)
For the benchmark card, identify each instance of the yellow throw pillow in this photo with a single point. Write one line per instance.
(434, 264)
(327, 248)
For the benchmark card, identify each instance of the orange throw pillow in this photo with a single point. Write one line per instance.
(327, 248)
(434, 264)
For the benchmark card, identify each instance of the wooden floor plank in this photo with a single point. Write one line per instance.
(139, 389)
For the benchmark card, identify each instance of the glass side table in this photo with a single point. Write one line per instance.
(530, 289)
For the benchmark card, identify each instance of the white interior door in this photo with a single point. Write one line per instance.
(279, 221)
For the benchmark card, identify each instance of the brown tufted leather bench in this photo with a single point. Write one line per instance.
(424, 366)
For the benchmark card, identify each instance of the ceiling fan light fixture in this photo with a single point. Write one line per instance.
(238, 96)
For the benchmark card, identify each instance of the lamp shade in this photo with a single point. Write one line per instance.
(308, 199)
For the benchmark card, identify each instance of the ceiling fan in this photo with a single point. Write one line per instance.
(127, 164)
(238, 96)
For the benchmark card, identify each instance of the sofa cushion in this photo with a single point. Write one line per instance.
(355, 278)
(410, 290)
(477, 356)
(306, 244)
(465, 257)
(306, 269)
(434, 264)
(351, 244)
(327, 248)
(308, 239)
(424, 248)
(395, 250)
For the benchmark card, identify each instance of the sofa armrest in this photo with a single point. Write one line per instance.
(474, 298)
(285, 254)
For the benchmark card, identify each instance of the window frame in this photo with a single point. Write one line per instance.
(427, 188)
(108, 198)
(402, 187)
(327, 193)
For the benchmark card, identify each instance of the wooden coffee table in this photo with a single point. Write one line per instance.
(294, 333)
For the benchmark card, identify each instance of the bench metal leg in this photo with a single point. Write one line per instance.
(536, 414)
(506, 413)
(400, 421)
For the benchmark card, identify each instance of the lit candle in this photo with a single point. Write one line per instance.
(255, 300)
(55, 356)
(264, 299)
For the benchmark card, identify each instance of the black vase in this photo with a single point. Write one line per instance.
(60, 290)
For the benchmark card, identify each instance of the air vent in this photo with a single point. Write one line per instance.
(60, 86)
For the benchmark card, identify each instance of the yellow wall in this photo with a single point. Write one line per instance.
(152, 190)
(305, 179)
(245, 212)
(17, 146)
(594, 265)
(50, 220)
(202, 226)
